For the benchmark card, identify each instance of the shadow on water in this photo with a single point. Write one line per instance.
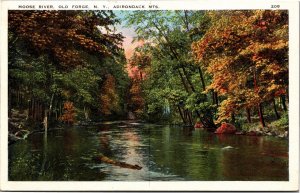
(163, 152)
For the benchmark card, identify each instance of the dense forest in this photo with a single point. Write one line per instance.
(62, 68)
(192, 67)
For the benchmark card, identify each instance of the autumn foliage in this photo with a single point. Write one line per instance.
(60, 59)
(63, 34)
(136, 99)
(109, 99)
(226, 128)
(68, 114)
(210, 66)
(246, 52)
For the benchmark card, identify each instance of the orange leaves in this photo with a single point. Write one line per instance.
(67, 58)
(246, 54)
(62, 34)
(69, 113)
(109, 99)
(137, 102)
(280, 92)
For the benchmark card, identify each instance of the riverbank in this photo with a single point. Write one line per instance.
(20, 127)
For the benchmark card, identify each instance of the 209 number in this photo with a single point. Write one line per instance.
(275, 6)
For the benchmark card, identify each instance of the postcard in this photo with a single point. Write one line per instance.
(149, 95)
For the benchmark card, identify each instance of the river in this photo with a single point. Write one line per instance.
(164, 152)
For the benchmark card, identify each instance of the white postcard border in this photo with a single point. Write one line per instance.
(292, 184)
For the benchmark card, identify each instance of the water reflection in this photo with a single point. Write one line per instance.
(133, 152)
(163, 152)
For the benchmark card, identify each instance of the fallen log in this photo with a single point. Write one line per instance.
(105, 159)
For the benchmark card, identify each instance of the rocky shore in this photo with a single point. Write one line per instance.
(227, 128)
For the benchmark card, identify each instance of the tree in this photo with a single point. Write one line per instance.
(109, 100)
(59, 56)
(246, 54)
(69, 113)
(141, 60)
(168, 37)
(63, 34)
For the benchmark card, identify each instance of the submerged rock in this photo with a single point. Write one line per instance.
(226, 128)
(228, 147)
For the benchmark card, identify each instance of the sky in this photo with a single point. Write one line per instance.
(129, 34)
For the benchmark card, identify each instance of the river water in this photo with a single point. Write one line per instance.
(164, 153)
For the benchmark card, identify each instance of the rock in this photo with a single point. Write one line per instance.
(22, 134)
(273, 133)
(131, 116)
(266, 130)
(281, 135)
(228, 147)
(198, 125)
(240, 133)
(257, 130)
(226, 128)
(269, 133)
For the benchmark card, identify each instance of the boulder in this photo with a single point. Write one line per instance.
(226, 128)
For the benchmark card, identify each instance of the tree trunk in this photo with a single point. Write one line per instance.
(18, 98)
(233, 118)
(190, 118)
(213, 96)
(181, 115)
(248, 115)
(41, 112)
(216, 98)
(35, 110)
(9, 103)
(275, 109)
(32, 108)
(50, 106)
(185, 116)
(201, 78)
(174, 54)
(105, 159)
(141, 75)
(183, 81)
(283, 102)
(261, 115)
(60, 108)
(86, 114)
(45, 121)
(187, 78)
